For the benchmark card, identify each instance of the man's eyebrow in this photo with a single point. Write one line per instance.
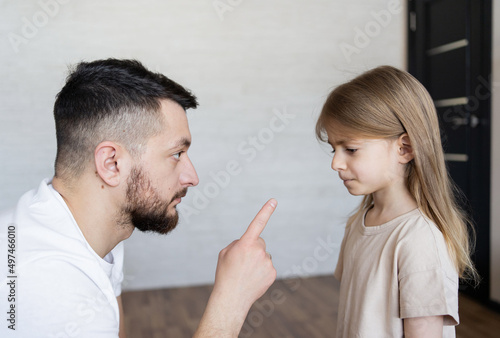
(182, 143)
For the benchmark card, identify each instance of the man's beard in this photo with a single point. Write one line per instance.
(144, 207)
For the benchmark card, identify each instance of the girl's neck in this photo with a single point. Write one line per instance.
(389, 204)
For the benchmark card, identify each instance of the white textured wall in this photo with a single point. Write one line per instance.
(248, 62)
(495, 159)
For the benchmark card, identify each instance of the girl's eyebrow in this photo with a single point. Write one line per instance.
(342, 141)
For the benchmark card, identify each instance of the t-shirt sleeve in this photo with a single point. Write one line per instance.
(428, 282)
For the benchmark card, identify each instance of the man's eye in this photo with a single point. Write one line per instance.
(177, 155)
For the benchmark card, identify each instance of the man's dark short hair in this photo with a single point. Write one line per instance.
(110, 100)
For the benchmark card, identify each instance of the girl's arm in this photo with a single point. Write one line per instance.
(429, 327)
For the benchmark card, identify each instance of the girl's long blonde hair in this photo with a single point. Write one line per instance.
(386, 102)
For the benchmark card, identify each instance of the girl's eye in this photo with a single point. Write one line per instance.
(177, 155)
(351, 150)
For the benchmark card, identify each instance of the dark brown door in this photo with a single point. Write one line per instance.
(449, 48)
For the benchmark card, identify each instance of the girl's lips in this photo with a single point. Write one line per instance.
(347, 181)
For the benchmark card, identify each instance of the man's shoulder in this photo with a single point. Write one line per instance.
(25, 205)
(42, 220)
(6, 216)
(46, 234)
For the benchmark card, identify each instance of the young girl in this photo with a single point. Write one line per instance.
(407, 245)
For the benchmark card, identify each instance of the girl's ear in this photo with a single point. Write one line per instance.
(405, 150)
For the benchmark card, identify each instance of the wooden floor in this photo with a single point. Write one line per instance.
(298, 308)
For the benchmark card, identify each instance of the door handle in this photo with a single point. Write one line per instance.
(472, 121)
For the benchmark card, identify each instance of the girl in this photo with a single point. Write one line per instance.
(407, 245)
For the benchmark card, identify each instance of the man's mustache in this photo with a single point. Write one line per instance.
(179, 194)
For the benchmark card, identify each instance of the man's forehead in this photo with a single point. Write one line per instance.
(176, 124)
(176, 138)
(172, 109)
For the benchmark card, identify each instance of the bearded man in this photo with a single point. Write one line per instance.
(122, 163)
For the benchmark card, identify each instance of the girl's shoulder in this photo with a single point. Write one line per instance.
(416, 223)
(421, 242)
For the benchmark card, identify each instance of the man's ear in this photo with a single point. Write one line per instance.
(109, 157)
(405, 149)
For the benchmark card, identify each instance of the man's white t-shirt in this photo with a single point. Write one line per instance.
(62, 288)
(400, 269)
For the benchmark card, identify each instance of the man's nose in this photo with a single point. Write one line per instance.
(189, 177)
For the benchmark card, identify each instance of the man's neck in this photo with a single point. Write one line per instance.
(94, 212)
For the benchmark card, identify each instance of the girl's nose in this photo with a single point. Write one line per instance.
(337, 162)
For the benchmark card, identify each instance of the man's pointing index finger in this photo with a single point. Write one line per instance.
(259, 222)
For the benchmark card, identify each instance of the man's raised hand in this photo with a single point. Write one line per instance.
(244, 265)
(244, 273)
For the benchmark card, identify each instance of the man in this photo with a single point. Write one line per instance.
(121, 164)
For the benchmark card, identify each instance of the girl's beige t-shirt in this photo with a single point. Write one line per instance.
(400, 269)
